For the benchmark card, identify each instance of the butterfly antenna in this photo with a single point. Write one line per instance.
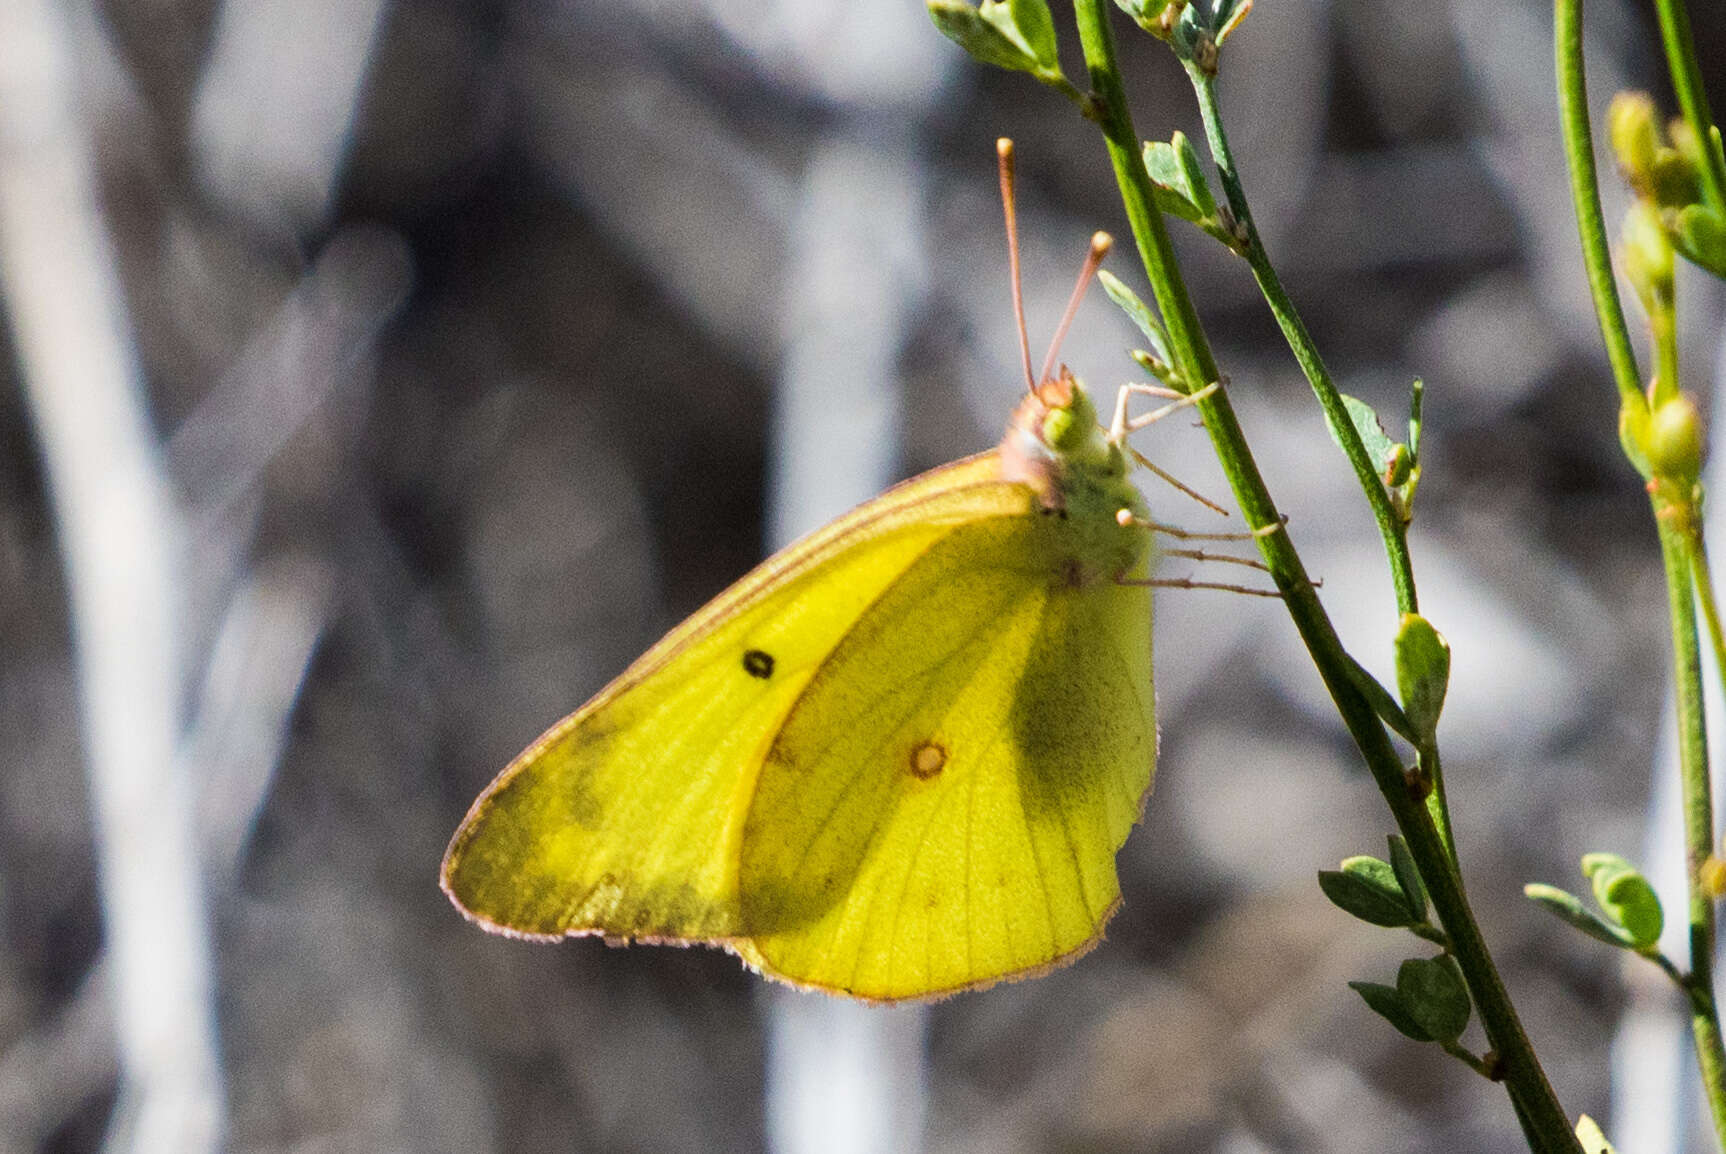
(1004, 150)
(1101, 242)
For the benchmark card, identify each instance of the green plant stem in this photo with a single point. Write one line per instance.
(1698, 805)
(1544, 1119)
(1585, 192)
(1674, 519)
(1663, 324)
(1300, 342)
(1692, 97)
(1391, 527)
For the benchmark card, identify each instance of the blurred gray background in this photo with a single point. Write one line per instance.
(471, 341)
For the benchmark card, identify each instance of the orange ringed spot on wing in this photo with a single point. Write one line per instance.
(758, 663)
(927, 759)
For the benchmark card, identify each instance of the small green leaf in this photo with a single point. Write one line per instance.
(1434, 995)
(1143, 12)
(999, 14)
(1229, 15)
(1378, 445)
(1388, 1004)
(1037, 27)
(981, 37)
(1569, 907)
(1626, 897)
(1593, 1140)
(1181, 187)
(1381, 701)
(1408, 877)
(1422, 672)
(1139, 312)
(1367, 888)
(1161, 163)
(1193, 29)
(1164, 168)
(1193, 182)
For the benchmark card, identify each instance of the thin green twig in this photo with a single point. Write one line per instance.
(1479, 1065)
(1698, 804)
(1663, 323)
(1391, 526)
(1671, 970)
(1300, 342)
(1674, 514)
(1544, 1119)
(1436, 802)
(1585, 192)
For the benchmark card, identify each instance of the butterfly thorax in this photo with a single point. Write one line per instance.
(1055, 445)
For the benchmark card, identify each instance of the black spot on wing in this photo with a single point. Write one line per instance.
(758, 663)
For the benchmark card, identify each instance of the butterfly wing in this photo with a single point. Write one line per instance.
(627, 817)
(942, 804)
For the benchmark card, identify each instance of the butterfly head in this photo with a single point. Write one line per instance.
(1055, 445)
(1055, 430)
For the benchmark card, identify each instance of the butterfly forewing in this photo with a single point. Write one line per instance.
(626, 818)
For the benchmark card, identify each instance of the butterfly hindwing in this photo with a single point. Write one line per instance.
(942, 804)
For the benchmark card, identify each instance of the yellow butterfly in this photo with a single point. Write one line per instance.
(895, 761)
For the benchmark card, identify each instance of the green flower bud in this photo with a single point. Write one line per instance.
(1647, 253)
(1684, 141)
(1675, 440)
(1634, 131)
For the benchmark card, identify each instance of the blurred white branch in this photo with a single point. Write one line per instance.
(259, 662)
(118, 533)
(277, 104)
(843, 1077)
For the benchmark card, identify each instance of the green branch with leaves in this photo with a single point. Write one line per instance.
(1678, 179)
(1434, 997)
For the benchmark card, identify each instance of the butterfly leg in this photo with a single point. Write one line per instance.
(1122, 424)
(1165, 475)
(1126, 517)
(1201, 555)
(1189, 583)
